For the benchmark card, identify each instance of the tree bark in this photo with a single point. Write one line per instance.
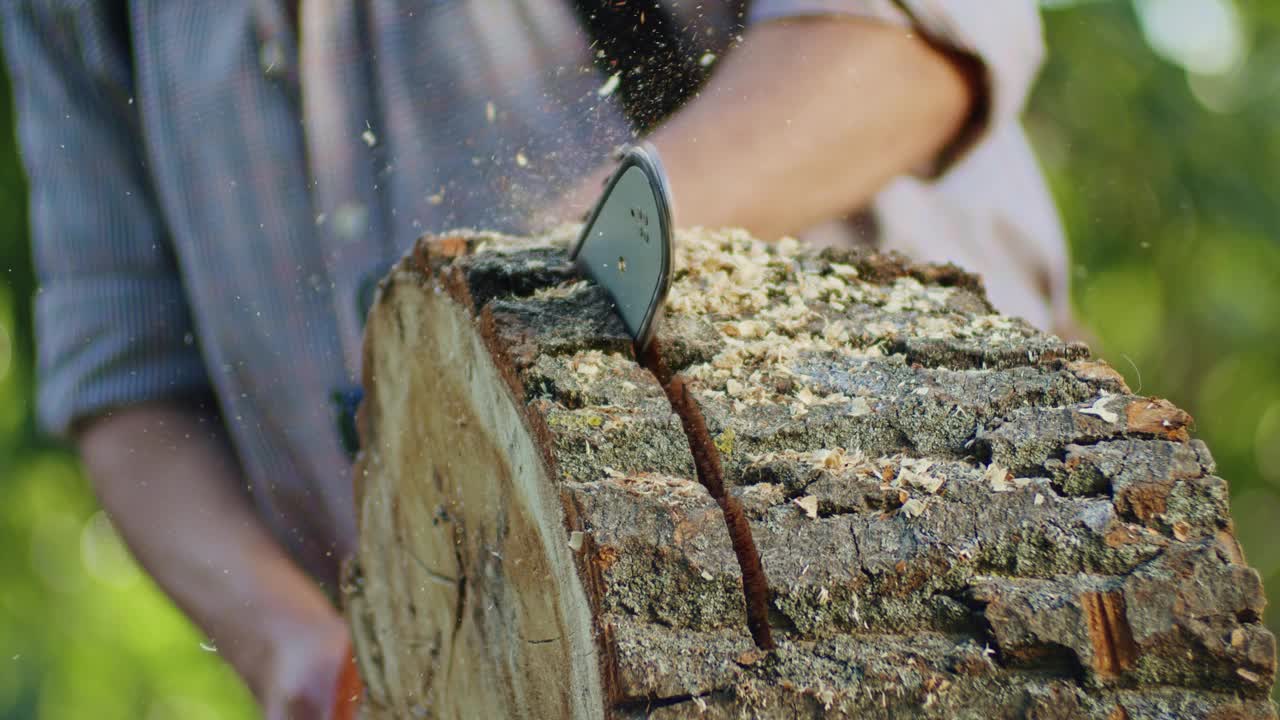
(957, 515)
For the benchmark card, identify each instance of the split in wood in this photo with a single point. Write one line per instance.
(706, 462)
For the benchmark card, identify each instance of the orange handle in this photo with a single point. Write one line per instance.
(349, 691)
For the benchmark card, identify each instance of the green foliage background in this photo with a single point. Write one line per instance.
(1173, 211)
(83, 633)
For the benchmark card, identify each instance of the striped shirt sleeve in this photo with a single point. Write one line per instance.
(112, 323)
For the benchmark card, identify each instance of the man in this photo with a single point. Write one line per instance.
(214, 184)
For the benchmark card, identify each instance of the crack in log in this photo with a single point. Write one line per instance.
(857, 549)
(955, 355)
(644, 706)
(543, 641)
(459, 610)
(459, 536)
(706, 461)
(434, 575)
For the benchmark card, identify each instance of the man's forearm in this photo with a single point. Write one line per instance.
(806, 121)
(170, 483)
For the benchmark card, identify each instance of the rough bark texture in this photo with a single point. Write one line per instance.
(958, 516)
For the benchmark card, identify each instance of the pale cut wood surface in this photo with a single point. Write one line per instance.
(958, 516)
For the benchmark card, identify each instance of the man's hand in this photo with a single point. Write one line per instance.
(805, 122)
(304, 670)
(170, 483)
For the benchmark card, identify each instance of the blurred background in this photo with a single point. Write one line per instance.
(1157, 123)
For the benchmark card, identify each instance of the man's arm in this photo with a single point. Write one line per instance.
(167, 478)
(804, 122)
(807, 120)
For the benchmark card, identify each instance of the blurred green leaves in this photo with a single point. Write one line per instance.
(83, 633)
(93, 637)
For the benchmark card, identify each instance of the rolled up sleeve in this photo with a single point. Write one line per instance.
(1004, 36)
(112, 323)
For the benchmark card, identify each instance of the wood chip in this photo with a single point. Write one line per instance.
(1252, 677)
(832, 459)
(610, 85)
(1237, 638)
(929, 483)
(913, 507)
(997, 476)
(809, 504)
(1099, 409)
(858, 407)
(1181, 531)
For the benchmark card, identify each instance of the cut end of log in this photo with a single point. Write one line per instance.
(463, 529)
(948, 511)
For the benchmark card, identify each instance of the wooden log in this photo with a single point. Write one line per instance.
(957, 515)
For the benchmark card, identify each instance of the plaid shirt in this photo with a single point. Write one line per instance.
(209, 193)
